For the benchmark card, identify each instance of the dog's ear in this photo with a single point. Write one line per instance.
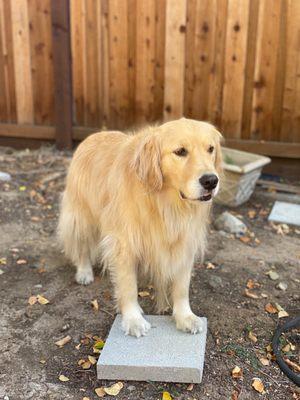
(219, 158)
(146, 162)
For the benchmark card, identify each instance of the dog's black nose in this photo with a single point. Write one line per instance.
(209, 181)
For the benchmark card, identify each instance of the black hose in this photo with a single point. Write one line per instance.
(291, 324)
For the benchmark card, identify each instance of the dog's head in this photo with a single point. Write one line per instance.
(183, 155)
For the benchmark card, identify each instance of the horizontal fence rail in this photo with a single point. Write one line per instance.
(70, 67)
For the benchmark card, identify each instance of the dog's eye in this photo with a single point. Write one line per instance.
(182, 152)
(211, 149)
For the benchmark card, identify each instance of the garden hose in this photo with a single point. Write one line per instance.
(291, 324)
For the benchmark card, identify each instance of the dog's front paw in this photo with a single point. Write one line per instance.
(84, 276)
(189, 323)
(135, 325)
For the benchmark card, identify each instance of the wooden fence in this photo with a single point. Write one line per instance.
(69, 67)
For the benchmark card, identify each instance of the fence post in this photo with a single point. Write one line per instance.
(63, 99)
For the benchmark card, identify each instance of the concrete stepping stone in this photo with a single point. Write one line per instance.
(165, 354)
(285, 213)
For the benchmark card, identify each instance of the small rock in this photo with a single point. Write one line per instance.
(1, 272)
(282, 286)
(65, 328)
(38, 286)
(273, 275)
(6, 397)
(215, 282)
(131, 388)
(229, 223)
(5, 177)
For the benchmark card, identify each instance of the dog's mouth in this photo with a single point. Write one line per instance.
(205, 197)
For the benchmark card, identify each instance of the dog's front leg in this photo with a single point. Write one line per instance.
(185, 319)
(125, 275)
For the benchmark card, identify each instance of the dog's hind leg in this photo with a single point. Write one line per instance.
(78, 241)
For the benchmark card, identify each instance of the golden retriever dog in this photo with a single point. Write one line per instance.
(140, 203)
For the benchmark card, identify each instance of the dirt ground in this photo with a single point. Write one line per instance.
(31, 264)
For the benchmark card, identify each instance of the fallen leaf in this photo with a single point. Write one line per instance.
(292, 364)
(144, 293)
(245, 239)
(258, 385)
(63, 341)
(22, 188)
(251, 214)
(42, 300)
(77, 347)
(237, 373)
(210, 265)
(86, 365)
(251, 284)
(63, 378)
(113, 390)
(270, 308)
(235, 395)
(283, 314)
(190, 387)
(264, 361)
(95, 304)
(286, 348)
(281, 311)
(21, 261)
(251, 294)
(42, 361)
(166, 396)
(272, 275)
(100, 392)
(264, 295)
(32, 300)
(3, 261)
(92, 360)
(99, 345)
(252, 337)
(81, 361)
(85, 398)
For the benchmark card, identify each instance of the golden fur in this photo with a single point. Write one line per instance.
(132, 201)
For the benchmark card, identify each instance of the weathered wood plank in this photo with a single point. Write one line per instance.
(78, 58)
(41, 60)
(235, 62)
(118, 63)
(249, 69)
(61, 34)
(216, 77)
(145, 59)
(22, 61)
(174, 59)
(262, 123)
(290, 124)
(92, 63)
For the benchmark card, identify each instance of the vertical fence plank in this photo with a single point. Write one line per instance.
(262, 125)
(118, 66)
(249, 72)
(61, 35)
(174, 59)
(22, 62)
(78, 58)
(290, 125)
(41, 60)
(160, 18)
(9, 61)
(92, 71)
(105, 62)
(3, 88)
(235, 61)
(217, 62)
(145, 58)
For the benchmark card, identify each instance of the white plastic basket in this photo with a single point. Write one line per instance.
(241, 172)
